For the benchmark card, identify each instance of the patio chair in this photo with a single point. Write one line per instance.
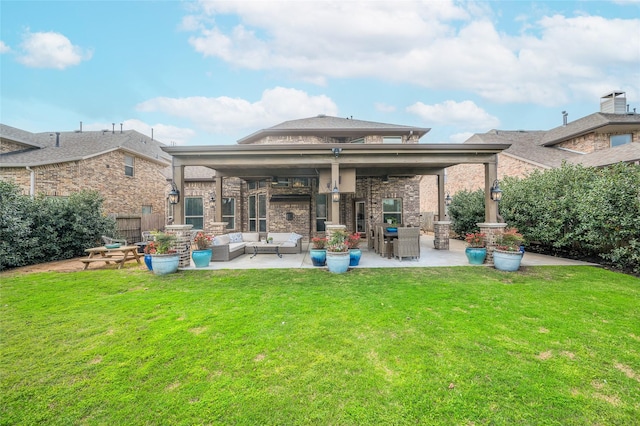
(384, 248)
(108, 240)
(407, 244)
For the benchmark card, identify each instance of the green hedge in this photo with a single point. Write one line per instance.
(574, 210)
(43, 229)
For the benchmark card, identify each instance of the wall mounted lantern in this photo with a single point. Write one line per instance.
(174, 194)
(335, 194)
(336, 151)
(496, 192)
(447, 200)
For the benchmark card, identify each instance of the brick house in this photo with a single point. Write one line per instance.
(301, 175)
(125, 167)
(606, 137)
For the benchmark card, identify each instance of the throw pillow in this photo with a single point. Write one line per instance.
(293, 238)
(235, 237)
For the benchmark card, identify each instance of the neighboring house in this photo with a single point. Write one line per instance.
(600, 139)
(302, 174)
(125, 167)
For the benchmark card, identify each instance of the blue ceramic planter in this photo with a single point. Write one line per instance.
(164, 264)
(318, 256)
(147, 261)
(338, 262)
(354, 257)
(507, 260)
(476, 255)
(201, 258)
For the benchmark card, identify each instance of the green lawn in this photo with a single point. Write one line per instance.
(470, 345)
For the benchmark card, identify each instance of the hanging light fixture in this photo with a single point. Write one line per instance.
(335, 194)
(496, 192)
(174, 194)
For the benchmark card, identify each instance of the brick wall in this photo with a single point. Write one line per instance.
(104, 174)
(8, 146)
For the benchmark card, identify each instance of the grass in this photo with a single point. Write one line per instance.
(548, 345)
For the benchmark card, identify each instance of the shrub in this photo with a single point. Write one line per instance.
(466, 210)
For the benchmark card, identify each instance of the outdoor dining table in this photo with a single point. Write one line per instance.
(117, 255)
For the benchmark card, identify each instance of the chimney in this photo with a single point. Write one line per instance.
(565, 114)
(57, 139)
(614, 103)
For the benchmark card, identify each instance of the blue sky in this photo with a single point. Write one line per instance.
(210, 72)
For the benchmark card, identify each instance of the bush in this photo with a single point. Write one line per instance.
(466, 210)
(43, 229)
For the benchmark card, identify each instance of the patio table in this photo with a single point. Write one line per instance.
(263, 247)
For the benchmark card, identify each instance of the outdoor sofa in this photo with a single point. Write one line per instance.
(229, 246)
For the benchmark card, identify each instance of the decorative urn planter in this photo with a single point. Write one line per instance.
(338, 262)
(318, 256)
(201, 258)
(354, 256)
(507, 260)
(164, 264)
(476, 255)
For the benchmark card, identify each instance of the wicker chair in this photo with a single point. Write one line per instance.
(407, 244)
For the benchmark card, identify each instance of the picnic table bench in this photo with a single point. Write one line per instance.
(117, 255)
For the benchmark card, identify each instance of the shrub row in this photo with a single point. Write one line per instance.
(571, 210)
(43, 229)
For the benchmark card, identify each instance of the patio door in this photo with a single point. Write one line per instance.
(360, 216)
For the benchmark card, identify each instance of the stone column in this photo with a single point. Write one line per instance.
(330, 229)
(183, 242)
(491, 230)
(441, 234)
(219, 228)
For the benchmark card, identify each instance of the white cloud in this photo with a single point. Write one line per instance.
(50, 50)
(4, 48)
(382, 107)
(464, 115)
(443, 45)
(231, 115)
(161, 132)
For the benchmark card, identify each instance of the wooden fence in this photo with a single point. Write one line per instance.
(130, 227)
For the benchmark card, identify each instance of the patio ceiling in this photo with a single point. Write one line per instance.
(260, 161)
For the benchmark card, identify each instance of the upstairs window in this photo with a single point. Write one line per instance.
(128, 165)
(617, 140)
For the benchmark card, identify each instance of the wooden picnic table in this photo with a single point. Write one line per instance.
(117, 255)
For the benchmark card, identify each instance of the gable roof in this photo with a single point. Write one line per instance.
(525, 145)
(324, 125)
(75, 146)
(594, 122)
(619, 154)
(18, 136)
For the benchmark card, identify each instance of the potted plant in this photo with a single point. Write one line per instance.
(269, 240)
(318, 253)
(476, 250)
(165, 260)
(338, 252)
(201, 256)
(508, 253)
(353, 242)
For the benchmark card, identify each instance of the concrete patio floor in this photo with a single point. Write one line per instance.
(429, 257)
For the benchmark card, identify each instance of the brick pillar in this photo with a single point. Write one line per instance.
(219, 228)
(491, 230)
(331, 228)
(183, 243)
(441, 234)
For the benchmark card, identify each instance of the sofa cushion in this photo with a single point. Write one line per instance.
(279, 237)
(251, 237)
(236, 246)
(221, 240)
(235, 237)
(287, 244)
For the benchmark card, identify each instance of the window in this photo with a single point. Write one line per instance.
(392, 139)
(258, 213)
(321, 212)
(280, 182)
(300, 182)
(229, 212)
(392, 209)
(617, 140)
(194, 212)
(252, 184)
(359, 140)
(128, 165)
(146, 209)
